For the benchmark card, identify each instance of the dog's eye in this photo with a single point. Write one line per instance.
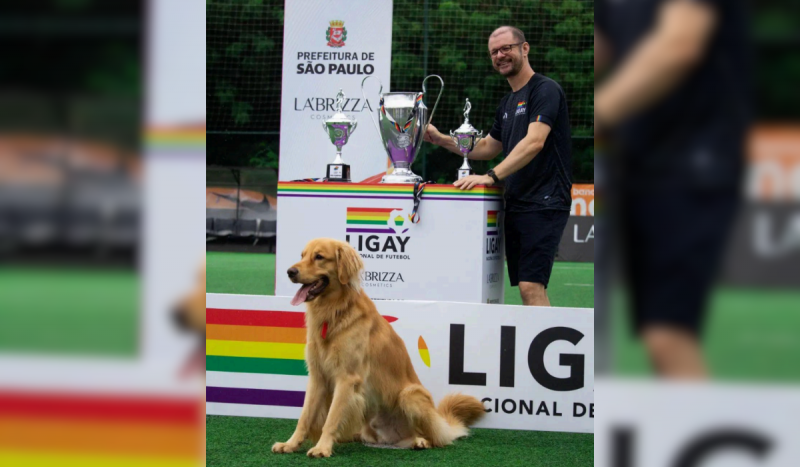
(318, 257)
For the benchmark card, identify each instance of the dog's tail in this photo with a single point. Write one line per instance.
(460, 410)
(444, 424)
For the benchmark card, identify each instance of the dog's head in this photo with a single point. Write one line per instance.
(190, 312)
(326, 267)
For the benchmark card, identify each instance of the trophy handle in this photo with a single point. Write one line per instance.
(353, 128)
(437, 98)
(453, 137)
(324, 127)
(367, 100)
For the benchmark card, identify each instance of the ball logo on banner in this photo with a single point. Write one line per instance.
(336, 34)
(377, 222)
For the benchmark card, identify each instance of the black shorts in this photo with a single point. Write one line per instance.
(531, 243)
(674, 244)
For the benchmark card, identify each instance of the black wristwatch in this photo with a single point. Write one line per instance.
(493, 175)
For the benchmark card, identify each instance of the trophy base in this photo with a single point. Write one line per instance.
(407, 177)
(338, 173)
(464, 173)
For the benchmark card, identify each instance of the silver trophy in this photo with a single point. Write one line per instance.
(403, 120)
(339, 128)
(466, 138)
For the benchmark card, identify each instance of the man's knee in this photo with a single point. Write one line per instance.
(532, 288)
(662, 341)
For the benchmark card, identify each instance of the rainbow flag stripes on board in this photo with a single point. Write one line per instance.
(371, 220)
(49, 428)
(491, 223)
(259, 342)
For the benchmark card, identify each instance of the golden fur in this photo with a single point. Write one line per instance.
(362, 386)
(190, 315)
(190, 312)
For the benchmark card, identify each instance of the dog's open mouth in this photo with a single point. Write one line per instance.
(310, 291)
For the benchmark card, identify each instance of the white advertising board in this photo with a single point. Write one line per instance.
(533, 367)
(454, 253)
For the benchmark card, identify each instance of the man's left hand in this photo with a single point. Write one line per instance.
(467, 183)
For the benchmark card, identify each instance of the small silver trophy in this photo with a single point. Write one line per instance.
(466, 137)
(339, 128)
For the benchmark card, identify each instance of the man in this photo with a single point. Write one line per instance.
(675, 108)
(532, 128)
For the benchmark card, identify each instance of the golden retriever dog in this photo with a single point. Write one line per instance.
(361, 386)
(189, 315)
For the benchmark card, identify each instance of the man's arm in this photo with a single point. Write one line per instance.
(676, 45)
(487, 148)
(602, 52)
(522, 155)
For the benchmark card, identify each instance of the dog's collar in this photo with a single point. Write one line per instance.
(324, 329)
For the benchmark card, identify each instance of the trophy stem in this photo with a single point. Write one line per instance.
(465, 165)
(338, 159)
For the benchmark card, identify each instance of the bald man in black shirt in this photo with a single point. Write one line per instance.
(532, 128)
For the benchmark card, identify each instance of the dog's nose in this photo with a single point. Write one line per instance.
(292, 272)
(180, 318)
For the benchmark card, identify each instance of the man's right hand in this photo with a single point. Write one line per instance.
(432, 135)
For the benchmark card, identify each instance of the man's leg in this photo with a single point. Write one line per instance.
(675, 353)
(540, 233)
(533, 294)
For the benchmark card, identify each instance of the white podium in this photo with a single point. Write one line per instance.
(455, 253)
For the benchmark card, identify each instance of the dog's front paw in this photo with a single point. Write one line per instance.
(284, 448)
(318, 451)
(421, 443)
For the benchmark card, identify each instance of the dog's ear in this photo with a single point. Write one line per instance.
(349, 265)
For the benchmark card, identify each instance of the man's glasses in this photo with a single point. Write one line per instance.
(505, 49)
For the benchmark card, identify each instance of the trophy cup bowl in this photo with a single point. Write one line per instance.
(402, 121)
(339, 128)
(466, 138)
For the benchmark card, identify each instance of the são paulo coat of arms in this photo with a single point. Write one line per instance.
(336, 34)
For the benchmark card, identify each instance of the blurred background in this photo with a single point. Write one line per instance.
(93, 369)
(698, 270)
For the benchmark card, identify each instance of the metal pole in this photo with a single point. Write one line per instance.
(425, 72)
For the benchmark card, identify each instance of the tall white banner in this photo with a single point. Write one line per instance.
(330, 46)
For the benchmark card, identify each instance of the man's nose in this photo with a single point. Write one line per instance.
(292, 272)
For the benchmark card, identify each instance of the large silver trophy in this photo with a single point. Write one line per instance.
(339, 128)
(403, 120)
(466, 138)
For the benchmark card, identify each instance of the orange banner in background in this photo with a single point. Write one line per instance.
(582, 200)
(773, 172)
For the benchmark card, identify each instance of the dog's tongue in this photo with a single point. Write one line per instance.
(301, 295)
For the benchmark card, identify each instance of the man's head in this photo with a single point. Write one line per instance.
(508, 50)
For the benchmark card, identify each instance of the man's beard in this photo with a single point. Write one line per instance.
(516, 66)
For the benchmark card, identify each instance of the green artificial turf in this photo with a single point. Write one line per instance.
(572, 284)
(244, 441)
(57, 311)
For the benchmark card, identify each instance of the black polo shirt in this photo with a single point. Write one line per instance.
(695, 135)
(546, 182)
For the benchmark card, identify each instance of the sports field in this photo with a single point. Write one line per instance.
(69, 311)
(238, 441)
